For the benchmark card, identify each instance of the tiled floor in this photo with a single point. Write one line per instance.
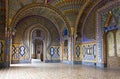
(57, 71)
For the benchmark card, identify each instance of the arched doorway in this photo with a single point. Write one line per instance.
(38, 49)
(112, 48)
(66, 50)
(37, 45)
(65, 56)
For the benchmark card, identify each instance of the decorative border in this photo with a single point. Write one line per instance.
(14, 51)
(77, 59)
(91, 49)
(55, 50)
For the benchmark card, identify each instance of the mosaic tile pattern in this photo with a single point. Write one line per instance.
(57, 71)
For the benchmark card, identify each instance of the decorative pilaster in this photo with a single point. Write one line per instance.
(9, 34)
(72, 46)
(99, 42)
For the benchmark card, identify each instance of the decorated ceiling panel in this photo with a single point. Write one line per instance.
(15, 5)
(45, 12)
(63, 13)
(70, 8)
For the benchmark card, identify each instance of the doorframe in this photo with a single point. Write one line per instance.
(105, 45)
(44, 43)
(42, 48)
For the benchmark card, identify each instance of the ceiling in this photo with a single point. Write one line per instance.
(63, 13)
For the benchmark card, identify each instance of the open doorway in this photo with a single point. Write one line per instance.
(113, 56)
(37, 46)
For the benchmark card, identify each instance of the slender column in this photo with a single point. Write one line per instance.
(7, 39)
(72, 46)
(99, 38)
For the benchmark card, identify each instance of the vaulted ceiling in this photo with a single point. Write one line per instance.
(63, 13)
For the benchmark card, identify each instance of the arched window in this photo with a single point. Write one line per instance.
(65, 32)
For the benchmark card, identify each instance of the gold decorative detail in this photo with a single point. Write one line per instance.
(108, 19)
(17, 48)
(83, 51)
(55, 47)
(72, 30)
(9, 22)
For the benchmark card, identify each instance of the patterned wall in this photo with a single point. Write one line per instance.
(111, 21)
(89, 26)
(19, 53)
(85, 52)
(65, 53)
(78, 53)
(116, 15)
(54, 53)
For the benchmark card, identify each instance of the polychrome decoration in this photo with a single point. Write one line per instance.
(111, 23)
(110, 28)
(51, 52)
(89, 52)
(55, 52)
(22, 50)
(65, 53)
(65, 32)
(78, 51)
(18, 52)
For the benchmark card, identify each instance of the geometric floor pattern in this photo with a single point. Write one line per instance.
(57, 71)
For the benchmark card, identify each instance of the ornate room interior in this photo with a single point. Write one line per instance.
(82, 33)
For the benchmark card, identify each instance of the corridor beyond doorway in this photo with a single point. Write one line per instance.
(33, 61)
